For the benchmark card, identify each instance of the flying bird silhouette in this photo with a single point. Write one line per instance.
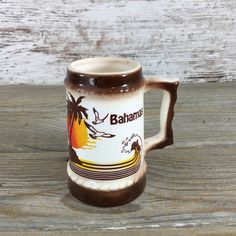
(97, 118)
(96, 134)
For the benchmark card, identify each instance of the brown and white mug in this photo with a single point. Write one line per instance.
(105, 121)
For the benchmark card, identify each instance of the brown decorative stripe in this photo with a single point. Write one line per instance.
(113, 167)
(101, 175)
(107, 177)
(101, 172)
(104, 165)
(113, 177)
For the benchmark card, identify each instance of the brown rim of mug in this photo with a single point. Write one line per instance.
(128, 77)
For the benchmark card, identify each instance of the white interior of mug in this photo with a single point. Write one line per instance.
(104, 66)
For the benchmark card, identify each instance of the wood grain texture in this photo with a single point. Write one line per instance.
(216, 231)
(194, 40)
(190, 186)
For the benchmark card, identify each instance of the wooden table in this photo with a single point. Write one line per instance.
(191, 185)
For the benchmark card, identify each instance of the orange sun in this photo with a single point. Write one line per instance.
(79, 135)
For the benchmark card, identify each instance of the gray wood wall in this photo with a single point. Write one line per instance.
(192, 39)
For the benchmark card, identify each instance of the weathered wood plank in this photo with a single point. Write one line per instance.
(194, 40)
(190, 187)
(205, 116)
(185, 188)
(216, 231)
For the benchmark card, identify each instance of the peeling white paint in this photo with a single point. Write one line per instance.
(184, 224)
(133, 227)
(193, 40)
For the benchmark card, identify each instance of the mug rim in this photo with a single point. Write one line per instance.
(134, 66)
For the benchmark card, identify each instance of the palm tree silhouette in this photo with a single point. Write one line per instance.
(74, 111)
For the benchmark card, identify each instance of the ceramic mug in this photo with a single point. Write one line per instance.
(105, 121)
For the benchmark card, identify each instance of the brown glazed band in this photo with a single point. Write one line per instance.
(104, 84)
(107, 198)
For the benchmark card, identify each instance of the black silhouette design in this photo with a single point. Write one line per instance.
(95, 133)
(98, 120)
(77, 112)
(74, 111)
(135, 146)
(131, 143)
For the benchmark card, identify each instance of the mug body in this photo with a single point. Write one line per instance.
(105, 122)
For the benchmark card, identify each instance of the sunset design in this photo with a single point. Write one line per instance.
(109, 172)
(83, 135)
(79, 137)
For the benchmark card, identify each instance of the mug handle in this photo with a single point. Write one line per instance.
(165, 136)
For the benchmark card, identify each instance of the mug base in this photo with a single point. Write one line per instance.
(107, 198)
